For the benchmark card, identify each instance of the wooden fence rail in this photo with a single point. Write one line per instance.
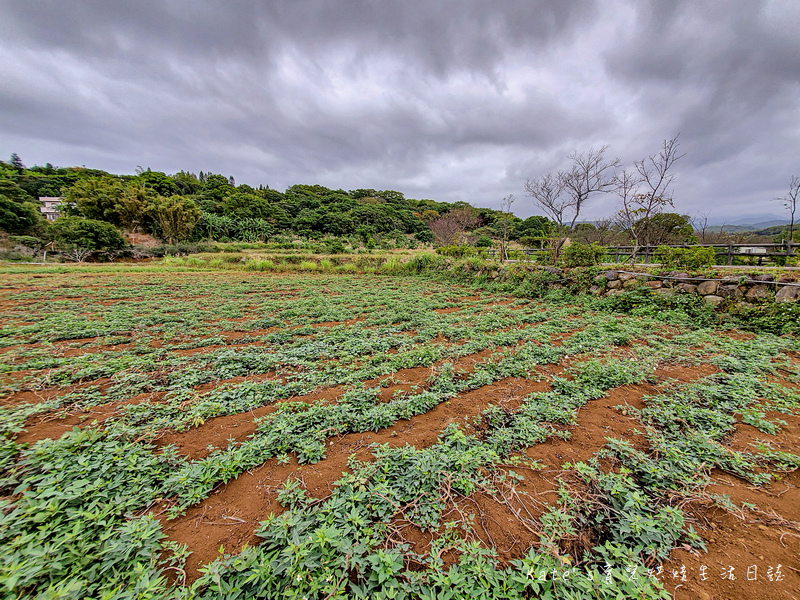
(619, 254)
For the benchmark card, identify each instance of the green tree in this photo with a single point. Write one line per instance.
(16, 163)
(175, 216)
(131, 208)
(338, 223)
(429, 216)
(97, 198)
(243, 205)
(20, 218)
(667, 228)
(12, 191)
(187, 183)
(160, 183)
(78, 237)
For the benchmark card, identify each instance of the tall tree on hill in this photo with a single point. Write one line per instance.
(16, 162)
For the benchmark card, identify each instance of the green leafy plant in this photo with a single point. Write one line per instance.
(696, 257)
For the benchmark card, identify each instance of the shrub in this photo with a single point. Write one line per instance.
(346, 268)
(334, 247)
(260, 265)
(778, 318)
(86, 233)
(642, 302)
(696, 257)
(423, 262)
(484, 242)
(456, 251)
(582, 255)
(27, 241)
(180, 249)
(13, 256)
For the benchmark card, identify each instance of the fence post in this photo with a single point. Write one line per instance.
(616, 258)
(730, 254)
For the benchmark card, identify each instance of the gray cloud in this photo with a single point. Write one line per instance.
(445, 100)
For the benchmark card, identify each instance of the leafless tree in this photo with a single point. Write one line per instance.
(790, 202)
(607, 231)
(451, 228)
(645, 191)
(700, 224)
(505, 224)
(465, 217)
(76, 254)
(563, 195)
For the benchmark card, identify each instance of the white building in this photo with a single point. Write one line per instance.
(48, 207)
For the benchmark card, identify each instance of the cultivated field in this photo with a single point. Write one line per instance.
(178, 433)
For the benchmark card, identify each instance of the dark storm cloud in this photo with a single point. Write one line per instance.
(449, 100)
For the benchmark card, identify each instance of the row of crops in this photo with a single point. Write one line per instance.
(83, 515)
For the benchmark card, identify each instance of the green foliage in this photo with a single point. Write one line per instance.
(337, 548)
(175, 216)
(70, 532)
(82, 499)
(27, 241)
(89, 234)
(582, 255)
(21, 218)
(779, 318)
(13, 192)
(686, 258)
(667, 228)
(620, 511)
(334, 246)
(424, 262)
(97, 198)
(675, 308)
(456, 251)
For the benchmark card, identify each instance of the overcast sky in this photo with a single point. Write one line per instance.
(445, 100)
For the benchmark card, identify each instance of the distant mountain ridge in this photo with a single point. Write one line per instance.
(759, 221)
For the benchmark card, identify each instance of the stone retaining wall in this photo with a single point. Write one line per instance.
(751, 288)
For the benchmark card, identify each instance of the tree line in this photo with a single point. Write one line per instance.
(205, 206)
(189, 207)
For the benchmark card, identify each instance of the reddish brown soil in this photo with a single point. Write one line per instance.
(762, 537)
(752, 546)
(507, 525)
(53, 427)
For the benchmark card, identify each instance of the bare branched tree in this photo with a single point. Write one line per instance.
(465, 217)
(700, 224)
(790, 202)
(645, 191)
(451, 228)
(562, 196)
(77, 254)
(605, 231)
(505, 224)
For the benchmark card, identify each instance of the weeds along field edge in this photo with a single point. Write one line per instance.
(164, 352)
